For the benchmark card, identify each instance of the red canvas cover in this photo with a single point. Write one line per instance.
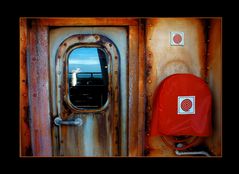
(182, 106)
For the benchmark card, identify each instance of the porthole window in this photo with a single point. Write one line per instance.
(87, 77)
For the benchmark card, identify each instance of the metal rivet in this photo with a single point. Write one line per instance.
(65, 44)
(116, 57)
(110, 45)
(149, 81)
(97, 37)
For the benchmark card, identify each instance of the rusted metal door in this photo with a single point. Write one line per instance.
(88, 127)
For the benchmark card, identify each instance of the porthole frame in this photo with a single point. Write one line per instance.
(79, 41)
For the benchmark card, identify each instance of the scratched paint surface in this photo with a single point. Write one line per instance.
(100, 133)
(215, 82)
(163, 60)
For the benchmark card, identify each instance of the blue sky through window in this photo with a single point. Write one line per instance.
(86, 59)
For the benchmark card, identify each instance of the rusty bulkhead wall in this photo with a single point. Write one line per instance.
(163, 60)
(200, 55)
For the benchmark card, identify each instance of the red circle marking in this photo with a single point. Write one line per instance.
(186, 105)
(177, 38)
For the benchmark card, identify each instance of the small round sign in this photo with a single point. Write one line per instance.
(177, 38)
(186, 105)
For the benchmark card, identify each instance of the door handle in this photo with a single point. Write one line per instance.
(76, 122)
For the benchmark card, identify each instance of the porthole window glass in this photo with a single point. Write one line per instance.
(88, 77)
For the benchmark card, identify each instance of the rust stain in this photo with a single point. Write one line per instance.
(37, 142)
(215, 83)
(98, 135)
(38, 90)
(25, 136)
(133, 90)
(88, 21)
(163, 60)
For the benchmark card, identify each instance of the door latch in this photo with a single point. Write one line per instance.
(76, 122)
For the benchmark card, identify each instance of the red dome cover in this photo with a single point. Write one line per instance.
(182, 106)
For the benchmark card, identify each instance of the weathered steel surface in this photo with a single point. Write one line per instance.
(25, 137)
(100, 134)
(117, 130)
(38, 90)
(123, 99)
(162, 60)
(90, 139)
(214, 67)
(141, 93)
(88, 21)
(133, 91)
